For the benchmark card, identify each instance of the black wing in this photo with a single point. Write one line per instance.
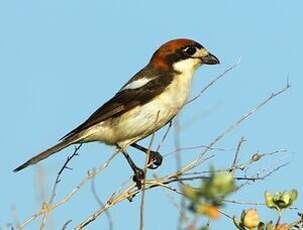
(127, 99)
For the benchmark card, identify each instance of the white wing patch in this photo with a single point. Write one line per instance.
(138, 83)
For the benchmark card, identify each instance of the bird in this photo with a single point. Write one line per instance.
(147, 102)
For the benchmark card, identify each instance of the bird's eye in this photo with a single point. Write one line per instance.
(190, 50)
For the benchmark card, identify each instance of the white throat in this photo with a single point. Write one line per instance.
(187, 66)
(181, 84)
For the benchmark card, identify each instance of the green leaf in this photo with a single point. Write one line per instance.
(269, 200)
(280, 200)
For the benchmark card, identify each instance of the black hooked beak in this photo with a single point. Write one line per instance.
(210, 59)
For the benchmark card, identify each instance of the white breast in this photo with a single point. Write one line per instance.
(142, 121)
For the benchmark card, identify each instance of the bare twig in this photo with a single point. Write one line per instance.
(193, 148)
(225, 214)
(298, 223)
(232, 168)
(65, 166)
(132, 190)
(239, 178)
(64, 227)
(68, 196)
(254, 158)
(197, 161)
(243, 202)
(178, 167)
(165, 135)
(248, 180)
(101, 204)
(147, 159)
(213, 82)
(57, 181)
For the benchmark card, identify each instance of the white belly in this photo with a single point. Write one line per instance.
(142, 121)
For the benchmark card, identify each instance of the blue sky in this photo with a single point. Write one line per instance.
(60, 60)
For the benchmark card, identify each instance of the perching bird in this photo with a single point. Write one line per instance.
(147, 102)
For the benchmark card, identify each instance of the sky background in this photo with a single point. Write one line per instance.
(60, 60)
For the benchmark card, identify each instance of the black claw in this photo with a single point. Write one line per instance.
(139, 175)
(155, 160)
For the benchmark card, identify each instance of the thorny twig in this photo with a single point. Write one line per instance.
(57, 181)
(65, 166)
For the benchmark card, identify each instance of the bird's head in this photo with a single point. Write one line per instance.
(182, 55)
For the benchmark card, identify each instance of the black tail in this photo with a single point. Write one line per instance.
(63, 144)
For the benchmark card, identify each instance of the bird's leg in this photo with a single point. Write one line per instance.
(139, 174)
(155, 158)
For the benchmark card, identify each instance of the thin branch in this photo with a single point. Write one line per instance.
(178, 167)
(197, 161)
(164, 136)
(65, 166)
(243, 202)
(258, 177)
(64, 227)
(67, 197)
(255, 157)
(298, 223)
(213, 82)
(132, 190)
(232, 168)
(141, 226)
(193, 148)
(57, 181)
(225, 214)
(101, 204)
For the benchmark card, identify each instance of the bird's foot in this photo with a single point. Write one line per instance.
(138, 177)
(155, 160)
